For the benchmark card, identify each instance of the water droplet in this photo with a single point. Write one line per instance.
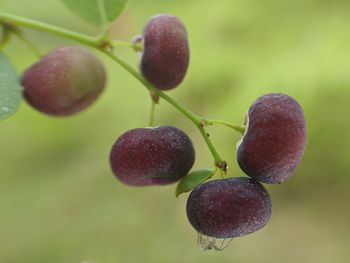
(5, 109)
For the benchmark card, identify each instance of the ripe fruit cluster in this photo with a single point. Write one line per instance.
(69, 79)
(269, 151)
(271, 148)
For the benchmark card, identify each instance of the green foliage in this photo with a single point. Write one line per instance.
(10, 89)
(91, 11)
(193, 179)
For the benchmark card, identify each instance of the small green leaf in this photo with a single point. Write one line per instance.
(90, 10)
(193, 179)
(10, 89)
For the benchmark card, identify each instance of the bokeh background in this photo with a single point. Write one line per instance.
(59, 201)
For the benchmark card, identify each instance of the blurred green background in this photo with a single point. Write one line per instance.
(59, 201)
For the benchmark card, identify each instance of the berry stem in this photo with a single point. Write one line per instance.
(198, 122)
(190, 115)
(238, 128)
(28, 43)
(104, 45)
(117, 43)
(152, 113)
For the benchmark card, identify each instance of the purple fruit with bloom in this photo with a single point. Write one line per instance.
(275, 139)
(166, 53)
(229, 208)
(152, 156)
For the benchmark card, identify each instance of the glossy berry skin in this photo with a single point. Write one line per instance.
(152, 156)
(229, 208)
(166, 52)
(275, 139)
(65, 81)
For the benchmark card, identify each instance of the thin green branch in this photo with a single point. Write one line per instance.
(28, 43)
(198, 122)
(129, 69)
(238, 128)
(193, 117)
(117, 43)
(218, 160)
(41, 26)
(152, 113)
(136, 46)
(104, 47)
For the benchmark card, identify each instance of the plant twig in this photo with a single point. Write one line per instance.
(97, 43)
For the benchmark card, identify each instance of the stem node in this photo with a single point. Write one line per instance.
(155, 97)
(203, 123)
(137, 43)
(106, 45)
(222, 165)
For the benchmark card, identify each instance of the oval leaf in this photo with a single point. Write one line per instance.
(10, 89)
(193, 179)
(90, 10)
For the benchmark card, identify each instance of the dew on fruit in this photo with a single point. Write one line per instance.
(5, 109)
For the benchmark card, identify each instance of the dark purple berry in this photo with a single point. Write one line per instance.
(165, 57)
(151, 156)
(65, 81)
(275, 139)
(229, 208)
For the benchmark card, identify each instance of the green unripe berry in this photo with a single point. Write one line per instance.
(64, 82)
